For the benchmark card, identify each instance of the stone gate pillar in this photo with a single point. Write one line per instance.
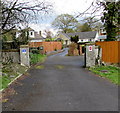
(90, 55)
(24, 55)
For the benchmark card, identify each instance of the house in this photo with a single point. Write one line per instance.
(101, 35)
(84, 37)
(33, 36)
(64, 38)
(14, 38)
(90, 36)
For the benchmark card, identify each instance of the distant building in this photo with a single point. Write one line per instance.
(33, 35)
(90, 36)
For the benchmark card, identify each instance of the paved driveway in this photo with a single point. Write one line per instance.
(62, 84)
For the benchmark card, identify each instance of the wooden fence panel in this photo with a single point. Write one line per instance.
(48, 46)
(110, 51)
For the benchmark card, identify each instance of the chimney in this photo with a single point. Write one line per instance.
(40, 33)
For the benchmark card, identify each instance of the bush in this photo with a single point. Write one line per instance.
(72, 48)
(35, 58)
(35, 51)
(55, 49)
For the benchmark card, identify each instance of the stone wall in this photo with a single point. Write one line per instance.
(10, 56)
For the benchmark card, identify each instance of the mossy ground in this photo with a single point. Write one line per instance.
(10, 72)
(109, 72)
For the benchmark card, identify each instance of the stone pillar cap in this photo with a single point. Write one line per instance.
(24, 46)
(90, 44)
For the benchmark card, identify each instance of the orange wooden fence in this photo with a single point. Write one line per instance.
(48, 46)
(110, 51)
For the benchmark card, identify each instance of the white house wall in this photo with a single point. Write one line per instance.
(31, 35)
(96, 37)
(36, 41)
(17, 34)
(83, 40)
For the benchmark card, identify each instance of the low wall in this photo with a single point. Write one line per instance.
(10, 56)
(48, 46)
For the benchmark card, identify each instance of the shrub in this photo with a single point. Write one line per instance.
(72, 48)
(35, 58)
(35, 51)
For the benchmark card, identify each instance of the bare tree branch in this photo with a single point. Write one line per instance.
(15, 12)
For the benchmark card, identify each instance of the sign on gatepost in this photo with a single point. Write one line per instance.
(24, 55)
(90, 48)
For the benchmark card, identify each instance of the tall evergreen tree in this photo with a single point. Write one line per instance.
(111, 19)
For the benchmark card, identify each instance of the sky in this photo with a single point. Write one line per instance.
(72, 7)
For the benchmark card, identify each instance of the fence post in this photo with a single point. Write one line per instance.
(24, 55)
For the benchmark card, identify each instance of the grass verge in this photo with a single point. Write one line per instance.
(109, 72)
(9, 73)
(35, 58)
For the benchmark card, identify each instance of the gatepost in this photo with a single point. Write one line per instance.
(24, 55)
(90, 55)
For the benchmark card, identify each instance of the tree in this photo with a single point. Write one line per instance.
(75, 39)
(15, 13)
(83, 28)
(65, 22)
(48, 34)
(24, 36)
(111, 19)
(110, 9)
(89, 24)
(93, 23)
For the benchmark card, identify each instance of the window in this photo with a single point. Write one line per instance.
(31, 33)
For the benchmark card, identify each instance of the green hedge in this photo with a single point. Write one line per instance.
(35, 58)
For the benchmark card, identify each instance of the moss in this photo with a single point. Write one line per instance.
(111, 73)
(40, 67)
(59, 66)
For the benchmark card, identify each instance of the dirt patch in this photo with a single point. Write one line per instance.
(7, 93)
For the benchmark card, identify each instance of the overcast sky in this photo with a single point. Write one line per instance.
(61, 7)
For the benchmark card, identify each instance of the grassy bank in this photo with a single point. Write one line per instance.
(13, 70)
(109, 72)
(10, 72)
(36, 58)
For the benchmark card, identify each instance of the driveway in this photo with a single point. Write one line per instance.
(62, 84)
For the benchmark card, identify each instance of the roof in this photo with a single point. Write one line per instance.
(84, 35)
(38, 35)
(81, 35)
(30, 29)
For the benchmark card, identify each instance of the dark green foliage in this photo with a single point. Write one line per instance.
(35, 51)
(36, 58)
(49, 39)
(75, 39)
(111, 19)
(85, 27)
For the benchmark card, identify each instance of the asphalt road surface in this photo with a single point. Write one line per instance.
(62, 84)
